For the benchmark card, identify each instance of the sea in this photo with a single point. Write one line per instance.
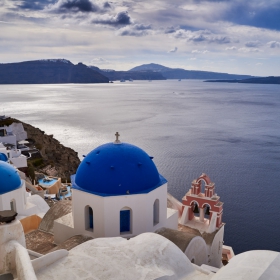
(229, 131)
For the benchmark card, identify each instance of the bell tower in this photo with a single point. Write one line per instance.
(202, 209)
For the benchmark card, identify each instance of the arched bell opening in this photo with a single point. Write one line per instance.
(202, 185)
(206, 210)
(195, 209)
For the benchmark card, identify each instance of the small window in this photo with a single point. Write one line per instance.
(125, 221)
(89, 218)
(13, 205)
(156, 212)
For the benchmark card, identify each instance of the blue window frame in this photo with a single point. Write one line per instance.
(124, 220)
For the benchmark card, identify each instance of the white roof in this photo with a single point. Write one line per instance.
(147, 256)
(251, 265)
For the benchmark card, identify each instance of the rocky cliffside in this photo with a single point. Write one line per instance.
(63, 159)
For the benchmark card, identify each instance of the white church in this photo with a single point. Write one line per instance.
(117, 191)
(119, 199)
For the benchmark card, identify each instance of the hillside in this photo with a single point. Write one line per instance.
(151, 67)
(178, 73)
(51, 71)
(264, 80)
(126, 75)
(65, 160)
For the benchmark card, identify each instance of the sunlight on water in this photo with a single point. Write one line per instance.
(229, 131)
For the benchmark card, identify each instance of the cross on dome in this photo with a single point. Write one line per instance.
(117, 141)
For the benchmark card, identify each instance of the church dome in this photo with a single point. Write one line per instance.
(3, 157)
(9, 178)
(117, 169)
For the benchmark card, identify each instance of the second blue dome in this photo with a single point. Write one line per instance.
(9, 178)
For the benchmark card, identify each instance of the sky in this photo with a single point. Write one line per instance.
(232, 36)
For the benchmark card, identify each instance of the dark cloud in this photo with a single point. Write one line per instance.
(107, 5)
(220, 40)
(169, 30)
(274, 44)
(121, 18)
(32, 5)
(137, 30)
(65, 6)
(201, 36)
(252, 44)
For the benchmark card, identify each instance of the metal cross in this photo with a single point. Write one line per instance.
(117, 136)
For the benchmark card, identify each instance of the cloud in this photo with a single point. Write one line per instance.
(252, 44)
(263, 14)
(169, 30)
(200, 52)
(274, 44)
(98, 60)
(173, 50)
(137, 30)
(259, 64)
(122, 18)
(233, 48)
(193, 58)
(33, 5)
(74, 6)
(247, 50)
(200, 36)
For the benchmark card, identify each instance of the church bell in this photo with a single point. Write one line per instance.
(195, 210)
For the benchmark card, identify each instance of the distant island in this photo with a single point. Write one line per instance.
(262, 80)
(49, 71)
(178, 73)
(60, 71)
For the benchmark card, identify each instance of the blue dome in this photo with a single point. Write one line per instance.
(3, 157)
(117, 169)
(9, 178)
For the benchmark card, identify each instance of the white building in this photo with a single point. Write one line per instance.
(117, 191)
(12, 134)
(13, 156)
(13, 195)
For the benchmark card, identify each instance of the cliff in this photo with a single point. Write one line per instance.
(51, 71)
(65, 160)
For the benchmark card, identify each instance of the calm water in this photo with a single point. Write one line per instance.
(229, 131)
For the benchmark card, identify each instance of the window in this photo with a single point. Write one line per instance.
(89, 218)
(13, 205)
(156, 212)
(125, 220)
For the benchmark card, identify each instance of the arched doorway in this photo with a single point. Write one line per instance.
(125, 220)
